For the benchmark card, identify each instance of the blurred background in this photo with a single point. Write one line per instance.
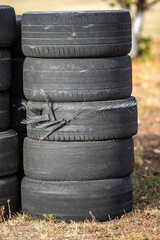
(146, 62)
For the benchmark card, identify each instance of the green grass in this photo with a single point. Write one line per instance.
(146, 188)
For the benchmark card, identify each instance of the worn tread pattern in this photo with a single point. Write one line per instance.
(7, 26)
(94, 122)
(5, 69)
(110, 50)
(74, 200)
(76, 34)
(9, 149)
(78, 79)
(65, 161)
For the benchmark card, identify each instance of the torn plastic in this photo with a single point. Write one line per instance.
(48, 119)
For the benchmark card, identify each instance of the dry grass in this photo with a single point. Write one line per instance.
(136, 225)
(142, 223)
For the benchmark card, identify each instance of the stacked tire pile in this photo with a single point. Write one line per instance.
(18, 112)
(80, 116)
(9, 162)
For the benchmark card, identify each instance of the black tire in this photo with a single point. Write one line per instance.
(9, 149)
(88, 79)
(18, 113)
(76, 34)
(17, 76)
(7, 26)
(73, 200)
(21, 169)
(90, 120)
(5, 69)
(4, 111)
(9, 190)
(60, 161)
(17, 47)
(21, 136)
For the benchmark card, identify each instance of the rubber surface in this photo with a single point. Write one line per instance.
(75, 199)
(87, 79)
(83, 121)
(59, 161)
(17, 76)
(5, 69)
(21, 168)
(4, 111)
(18, 113)
(76, 34)
(17, 47)
(9, 190)
(9, 153)
(7, 26)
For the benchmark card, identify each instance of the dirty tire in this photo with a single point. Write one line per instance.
(4, 111)
(18, 113)
(76, 34)
(5, 69)
(59, 161)
(93, 121)
(7, 26)
(88, 79)
(21, 168)
(9, 190)
(17, 47)
(9, 149)
(17, 76)
(75, 199)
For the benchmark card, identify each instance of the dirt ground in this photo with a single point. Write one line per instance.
(22, 6)
(146, 87)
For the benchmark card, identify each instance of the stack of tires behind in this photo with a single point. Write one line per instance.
(9, 162)
(80, 117)
(18, 112)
